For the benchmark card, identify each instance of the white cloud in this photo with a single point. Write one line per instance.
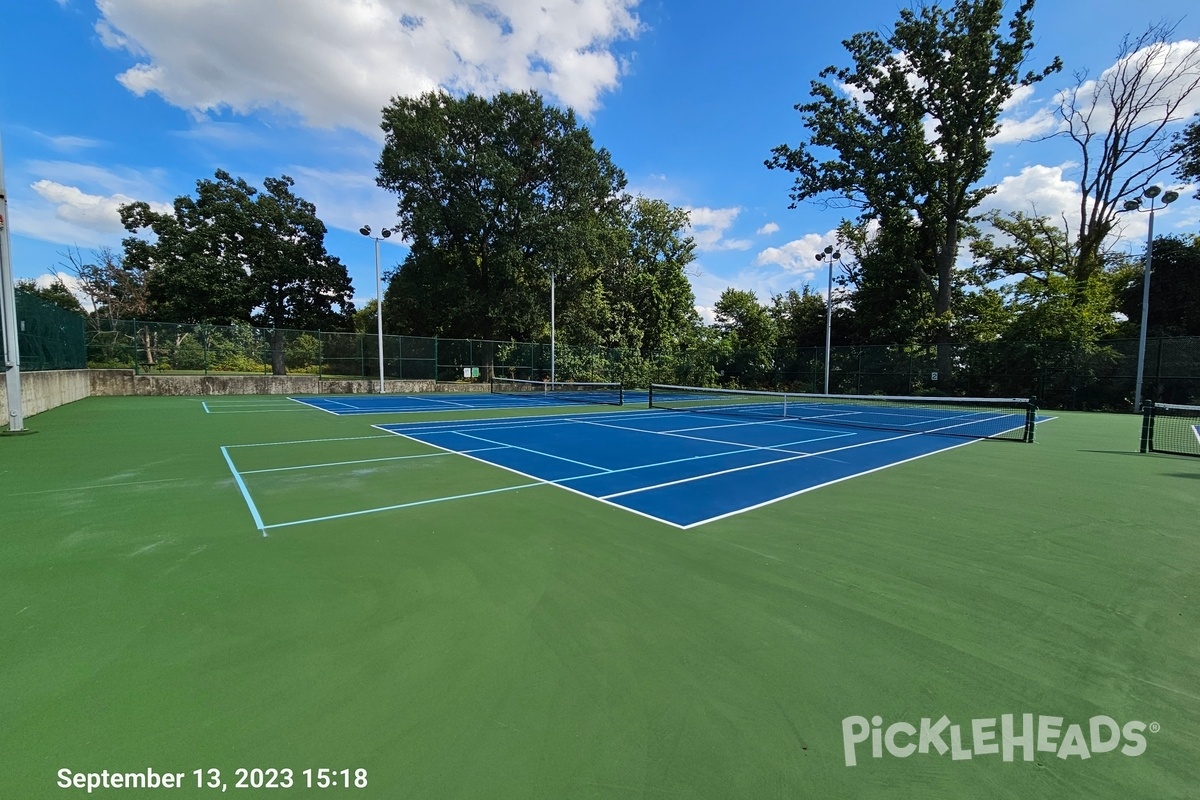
(337, 62)
(1037, 189)
(87, 212)
(68, 144)
(1163, 71)
(48, 279)
(799, 256)
(1041, 122)
(77, 203)
(708, 226)
(770, 227)
(707, 285)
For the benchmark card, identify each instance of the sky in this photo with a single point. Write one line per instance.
(107, 101)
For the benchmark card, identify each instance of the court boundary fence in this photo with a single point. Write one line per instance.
(1099, 376)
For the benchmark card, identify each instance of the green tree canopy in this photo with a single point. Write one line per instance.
(904, 135)
(493, 195)
(233, 253)
(750, 333)
(56, 293)
(1174, 289)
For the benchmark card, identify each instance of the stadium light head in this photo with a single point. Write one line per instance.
(386, 232)
(365, 230)
(1132, 205)
(1151, 192)
(828, 249)
(1170, 197)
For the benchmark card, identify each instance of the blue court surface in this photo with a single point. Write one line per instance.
(677, 467)
(343, 405)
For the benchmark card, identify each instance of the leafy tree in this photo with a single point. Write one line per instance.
(1174, 289)
(799, 319)
(907, 128)
(1186, 147)
(235, 253)
(750, 332)
(56, 293)
(493, 194)
(651, 305)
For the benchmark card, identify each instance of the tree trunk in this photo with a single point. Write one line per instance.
(278, 353)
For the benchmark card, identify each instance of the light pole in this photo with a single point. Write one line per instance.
(1150, 193)
(830, 255)
(8, 316)
(551, 327)
(365, 230)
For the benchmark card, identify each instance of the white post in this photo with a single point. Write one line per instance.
(8, 313)
(379, 313)
(828, 323)
(551, 327)
(1141, 365)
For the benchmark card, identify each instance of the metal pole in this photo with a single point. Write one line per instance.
(1141, 365)
(8, 311)
(552, 327)
(379, 313)
(828, 324)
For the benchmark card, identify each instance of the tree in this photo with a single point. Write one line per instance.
(1186, 147)
(1174, 289)
(56, 293)
(234, 253)
(750, 332)
(1121, 124)
(799, 320)
(651, 305)
(494, 194)
(114, 289)
(908, 126)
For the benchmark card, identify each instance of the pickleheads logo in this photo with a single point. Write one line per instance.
(1101, 734)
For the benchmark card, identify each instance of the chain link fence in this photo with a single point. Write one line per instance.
(1061, 375)
(48, 336)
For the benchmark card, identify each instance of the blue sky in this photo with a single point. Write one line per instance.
(109, 101)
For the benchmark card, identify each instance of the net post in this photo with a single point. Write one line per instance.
(1147, 426)
(1030, 419)
(650, 397)
(620, 394)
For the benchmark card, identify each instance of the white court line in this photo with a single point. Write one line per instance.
(309, 404)
(398, 505)
(780, 447)
(782, 460)
(262, 411)
(827, 483)
(245, 492)
(756, 466)
(307, 441)
(535, 452)
(205, 404)
(339, 463)
(542, 481)
(501, 423)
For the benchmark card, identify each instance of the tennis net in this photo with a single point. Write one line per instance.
(970, 417)
(1168, 428)
(575, 392)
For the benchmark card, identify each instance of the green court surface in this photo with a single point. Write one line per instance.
(533, 643)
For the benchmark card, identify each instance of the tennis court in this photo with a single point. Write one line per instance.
(424, 613)
(504, 393)
(684, 469)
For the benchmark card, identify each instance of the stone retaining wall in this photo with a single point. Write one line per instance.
(42, 391)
